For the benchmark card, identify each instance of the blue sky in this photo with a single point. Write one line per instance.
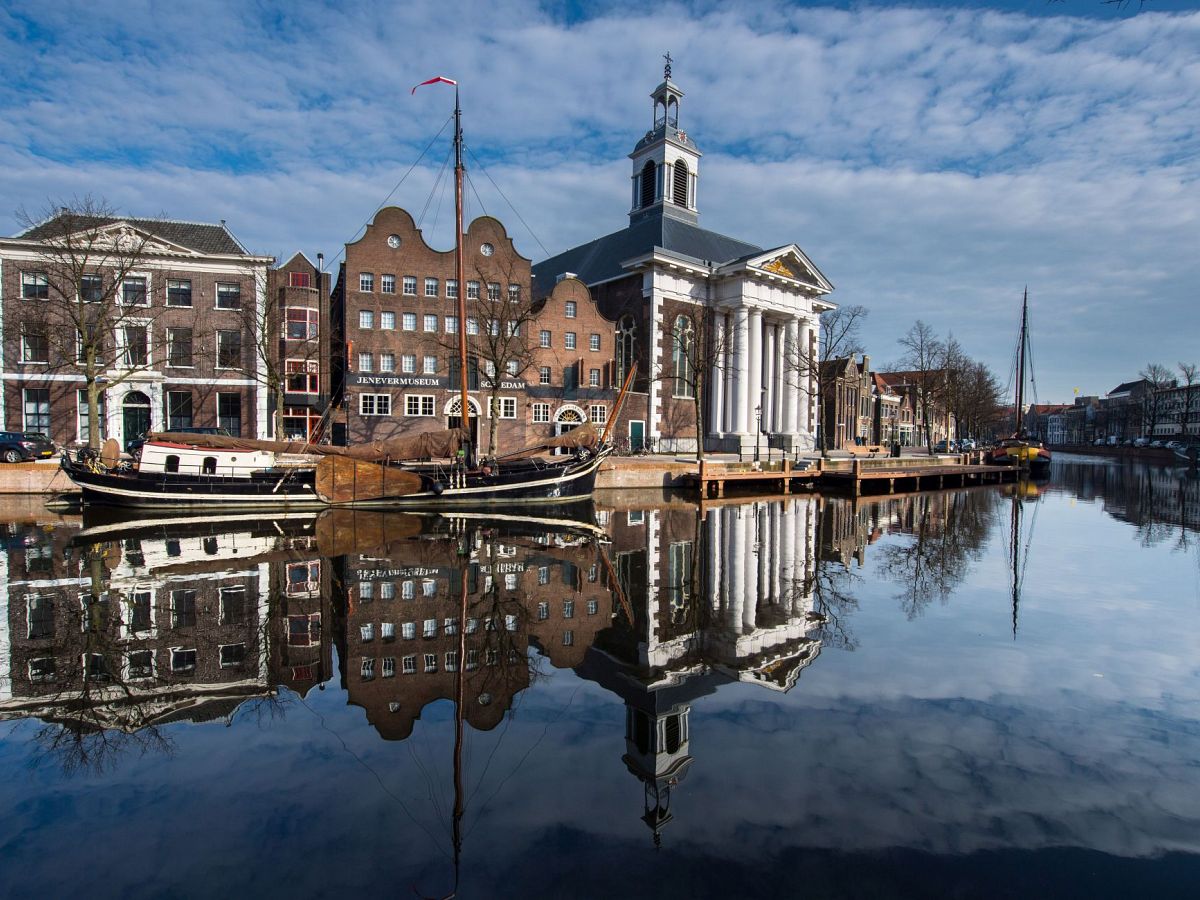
(932, 159)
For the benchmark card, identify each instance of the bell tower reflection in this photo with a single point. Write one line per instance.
(725, 597)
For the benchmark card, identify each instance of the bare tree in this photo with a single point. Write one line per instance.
(1188, 372)
(840, 336)
(1158, 380)
(925, 361)
(91, 309)
(697, 346)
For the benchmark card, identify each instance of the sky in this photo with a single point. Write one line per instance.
(932, 159)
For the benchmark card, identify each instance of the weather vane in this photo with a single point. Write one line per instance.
(667, 67)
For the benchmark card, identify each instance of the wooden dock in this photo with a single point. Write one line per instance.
(856, 476)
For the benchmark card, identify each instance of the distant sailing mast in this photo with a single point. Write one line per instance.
(1019, 430)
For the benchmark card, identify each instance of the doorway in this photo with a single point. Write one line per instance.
(637, 434)
(135, 416)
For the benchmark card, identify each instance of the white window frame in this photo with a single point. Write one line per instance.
(569, 341)
(380, 404)
(571, 309)
(387, 283)
(387, 320)
(598, 414)
(408, 321)
(408, 363)
(423, 405)
(430, 365)
(594, 343)
(431, 287)
(409, 281)
(366, 282)
(541, 413)
(430, 319)
(121, 346)
(545, 338)
(129, 276)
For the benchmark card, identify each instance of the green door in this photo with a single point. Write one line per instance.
(637, 434)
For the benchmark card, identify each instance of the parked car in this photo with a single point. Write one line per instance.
(1101, 442)
(944, 447)
(967, 444)
(1174, 445)
(1141, 442)
(16, 446)
(1156, 444)
(135, 446)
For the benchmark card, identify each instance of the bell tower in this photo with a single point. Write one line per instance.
(666, 161)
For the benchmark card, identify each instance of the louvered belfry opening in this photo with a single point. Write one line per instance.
(681, 183)
(648, 183)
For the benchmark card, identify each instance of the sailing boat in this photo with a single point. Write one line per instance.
(218, 471)
(1021, 450)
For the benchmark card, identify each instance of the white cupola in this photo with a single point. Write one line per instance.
(666, 161)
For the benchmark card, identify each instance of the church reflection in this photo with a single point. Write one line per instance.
(117, 629)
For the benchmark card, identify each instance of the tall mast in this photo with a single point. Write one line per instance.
(459, 268)
(1021, 358)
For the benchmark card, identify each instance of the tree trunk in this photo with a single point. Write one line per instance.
(494, 418)
(93, 410)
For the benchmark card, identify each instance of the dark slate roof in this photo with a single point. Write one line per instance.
(600, 260)
(198, 236)
(1128, 386)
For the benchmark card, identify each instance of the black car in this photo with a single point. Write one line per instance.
(16, 446)
(134, 447)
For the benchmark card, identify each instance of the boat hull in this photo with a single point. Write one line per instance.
(530, 483)
(1024, 456)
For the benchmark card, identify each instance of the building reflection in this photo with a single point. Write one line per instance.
(1162, 502)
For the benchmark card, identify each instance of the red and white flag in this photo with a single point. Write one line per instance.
(434, 80)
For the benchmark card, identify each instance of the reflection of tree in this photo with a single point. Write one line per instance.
(946, 533)
(1159, 501)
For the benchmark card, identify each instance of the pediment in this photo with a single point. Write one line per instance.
(790, 262)
(122, 237)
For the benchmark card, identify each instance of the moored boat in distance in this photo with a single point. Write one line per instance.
(1021, 450)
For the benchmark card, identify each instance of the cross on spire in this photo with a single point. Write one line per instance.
(667, 67)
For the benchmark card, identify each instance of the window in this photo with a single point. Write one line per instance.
(374, 404)
(300, 323)
(409, 322)
(136, 345)
(568, 638)
(472, 290)
(408, 665)
(303, 376)
(35, 347)
(141, 664)
(544, 375)
(232, 655)
(593, 607)
(472, 325)
(598, 414)
(133, 291)
(387, 321)
(568, 609)
(541, 412)
(508, 407)
(179, 410)
(431, 322)
(387, 284)
(229, 295)
(626, 347)
(594, 378)
(430, 662)
(366, 282)
(408, 630)
(572, 309)
(407, 590)
(418, 404)
(299, 279)
(91, 289)
(389, 667)
(35, 286)
(452, 288)
(183, 660)
(179, 292)
(366, 318)
(428, 587)
(510, 622)
(387, 362)
(512, 367)
(366, 590)
(594, 342)
(493, 291)
(450, 626)
(510, 581)
(451, 324)
(431, 287)
(229, 349)
(544, 338)
(366, 362)
(451, 660)
(684, 344)
(40, 619)
(543, 574)
(183, 608)
(569, 340)
(229, 413)
(514, 293)
(179, 347)
(429, 628)
(233, 604)
(82, 406)
(408, 363)
(430, 365)
(367, 632)
(367, 669)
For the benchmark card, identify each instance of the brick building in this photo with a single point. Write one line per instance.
(301, 347)
(685, 298)
(169, 309)
(537, 365)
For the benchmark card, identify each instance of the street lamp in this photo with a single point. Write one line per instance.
(758, 433)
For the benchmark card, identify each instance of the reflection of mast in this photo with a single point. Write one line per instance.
(459, 698)
(1015, 550)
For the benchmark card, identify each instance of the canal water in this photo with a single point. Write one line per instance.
(990, 692)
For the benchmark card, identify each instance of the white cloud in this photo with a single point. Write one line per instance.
(932, 161)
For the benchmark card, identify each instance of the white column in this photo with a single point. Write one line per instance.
(791, 390)
(770, 364)
(750, 567)
(743, 409)
(728, 423)
(788, 555)
(737, 571)
(754, 390)
(712, 533)
(780, 376)
(716, 379)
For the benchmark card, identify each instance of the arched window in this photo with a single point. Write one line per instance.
(684, 345)
(172, 464)
(626, 347)
(648, 181)
(673, 735)
(673, 112)
(209, 466)
(681, 183)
